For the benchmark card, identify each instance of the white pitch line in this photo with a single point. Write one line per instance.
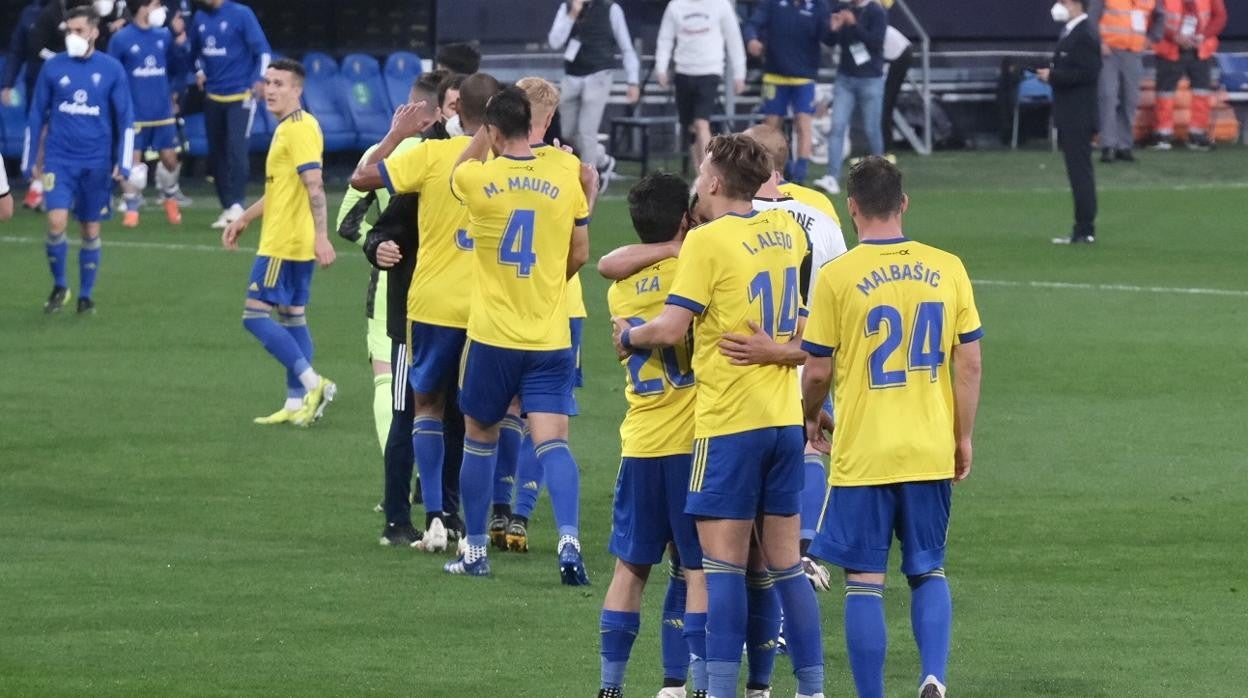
(1056, 285)
(1064, 285)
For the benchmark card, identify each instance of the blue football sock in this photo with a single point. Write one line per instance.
(132, 202)
(510, 434)
(695, 638)
(801, 628)
(618, 630)
(88, 265)
(429, 448)
(296, 324)
(725, 625)
(563, 479)
(762, 631)
(529, 476)
(931, 617)
(672, 646)
(276, 340)
(866, 637)
(476, 482)
(813, 493)
(798, 170)
(58, 252)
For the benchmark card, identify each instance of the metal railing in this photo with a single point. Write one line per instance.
(925, 87)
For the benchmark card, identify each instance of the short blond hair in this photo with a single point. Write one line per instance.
(543, 96)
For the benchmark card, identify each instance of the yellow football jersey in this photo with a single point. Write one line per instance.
(660, 388)
(438, 294)
(811, 197)
(522, 212)
(732, 270)
(288, 231)
(576, 295)
(891, 312)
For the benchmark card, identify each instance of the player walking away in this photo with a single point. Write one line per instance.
(82, 98)
(788, 36)
(517, 460)
(747, 457)
(233, 52)
(656, 443)
(887, 318)
(444, 261)
(150, 53)
(293, 240)
(529, 219)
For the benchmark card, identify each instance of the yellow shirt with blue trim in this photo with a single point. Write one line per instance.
(576, 294)
(522, 212)
(891, 312)
(660, 386)
(438, 294)
(812, 198)
(732, 270)
(287, 230)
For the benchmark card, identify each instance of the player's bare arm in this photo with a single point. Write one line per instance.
(314, 183)
(967, 372)
(816, 382)
(578, 253)
(668, 329)
(229, 237)
(589, 182)
(625, 261)
(758, 347)
(409, 120)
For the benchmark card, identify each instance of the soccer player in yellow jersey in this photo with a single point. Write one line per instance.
(529, 219)
(742, 266)
(437, 301)
(656, 441)
(517, 462)
(294, 238)
(888, 318)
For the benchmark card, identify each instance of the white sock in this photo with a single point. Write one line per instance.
(310, 380)
(474, 553)
(294, 404)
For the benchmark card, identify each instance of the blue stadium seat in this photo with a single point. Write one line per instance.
(1032, 92)
(1234, 71)
(322, 96)
(13, 119)
(196, 135)
(364, 94)
(402, 69)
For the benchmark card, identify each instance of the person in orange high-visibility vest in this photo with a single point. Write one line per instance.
(1124, 28)
(1187, 45)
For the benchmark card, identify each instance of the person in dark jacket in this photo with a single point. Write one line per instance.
(19, 52)
(1074, 73)
(787, 36)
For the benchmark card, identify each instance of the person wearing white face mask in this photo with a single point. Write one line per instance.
(1074, 75)
(150, 53)
(83, 98)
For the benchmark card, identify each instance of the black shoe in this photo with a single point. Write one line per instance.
(86, 306)
(1125, 155)
(1161, 143)
(1107, 155)
(498, 526)
(1199, 142)
(57, 300)
(400, 535)
(454, 528)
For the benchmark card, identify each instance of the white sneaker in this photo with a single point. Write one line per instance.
(605, 173)
(931, 688)
(829, 184)
(672, 692)
(813, 695)
(817, 574)
(434, 540)
(758, 693)
(228, 216)
(222, 221)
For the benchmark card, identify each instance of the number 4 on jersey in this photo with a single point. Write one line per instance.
(516, 247)
(924, 354)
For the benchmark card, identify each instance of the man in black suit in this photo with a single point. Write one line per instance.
(1073, 74)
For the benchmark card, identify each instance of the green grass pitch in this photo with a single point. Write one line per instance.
(154, 542)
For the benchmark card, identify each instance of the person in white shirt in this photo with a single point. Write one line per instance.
(589, 32)
(696, 33)
(6, 195)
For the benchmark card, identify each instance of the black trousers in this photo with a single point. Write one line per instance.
(896, 77)
(1076, 146)
(400, 456)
